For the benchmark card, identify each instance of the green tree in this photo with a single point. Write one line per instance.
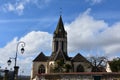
(115, 64)
(61, 66)
(67, 67)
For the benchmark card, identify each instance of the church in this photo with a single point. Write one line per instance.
(59, 61)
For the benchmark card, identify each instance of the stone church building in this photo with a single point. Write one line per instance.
(59, 61)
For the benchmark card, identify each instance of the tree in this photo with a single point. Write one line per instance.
(61, 66)
(67, 67)
(115, 64)
(98, 63)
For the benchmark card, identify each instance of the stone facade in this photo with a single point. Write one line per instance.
(59, 59)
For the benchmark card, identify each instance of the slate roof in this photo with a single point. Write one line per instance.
(60, 26)
(60, 31)
(79, 58)
(41, 57)
(58, 56)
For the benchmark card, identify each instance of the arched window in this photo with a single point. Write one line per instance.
(56, 46)
(80, 68)
(41, 69)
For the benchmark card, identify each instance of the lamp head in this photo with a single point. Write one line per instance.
(9, 62)
(22, 50)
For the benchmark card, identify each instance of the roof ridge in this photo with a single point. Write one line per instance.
(41, 57)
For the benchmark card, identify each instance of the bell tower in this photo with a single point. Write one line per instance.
(59, 44)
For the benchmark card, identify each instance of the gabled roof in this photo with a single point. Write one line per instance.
(79, 58)
(41, 57)
(60, 27)
(60, 55)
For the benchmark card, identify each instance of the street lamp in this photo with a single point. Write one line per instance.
(15, 58)
(6, 76)
(9, 62)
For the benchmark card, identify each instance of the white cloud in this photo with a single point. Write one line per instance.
(10, 7)
(41, 3)
(20, 8)
(16, 8)
(90, 34)
(84, 28)
(36, 41)
(111, 35)
(19, 5)
(84, 33)
(94, 1)
(7, 52)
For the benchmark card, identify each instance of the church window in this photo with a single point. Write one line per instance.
(56, 45)
(62, 45)
(80, 68)
(41, 69)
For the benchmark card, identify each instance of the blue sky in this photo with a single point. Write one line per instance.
(93, 28)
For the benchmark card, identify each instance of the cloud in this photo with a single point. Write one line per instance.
(84, 28)
(93, 35)
(35, 42)
(16, 8)
(41, 3)
(85, 33)
(111, 35)
(20, 5)
(94, 1)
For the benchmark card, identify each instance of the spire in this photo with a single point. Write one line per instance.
(60, 28)
(59, 45)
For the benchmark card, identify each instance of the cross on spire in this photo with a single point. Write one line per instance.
(60, 11)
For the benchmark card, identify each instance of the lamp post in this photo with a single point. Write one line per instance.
(6, 76)
(15, 58)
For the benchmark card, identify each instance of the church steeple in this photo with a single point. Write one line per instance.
(59, 46)
(60, 31)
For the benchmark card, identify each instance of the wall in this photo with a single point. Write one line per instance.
(36, 66)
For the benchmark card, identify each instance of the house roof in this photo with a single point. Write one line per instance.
(79, 58)
(41, 57)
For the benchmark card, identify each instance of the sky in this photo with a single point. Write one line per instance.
(92, 26)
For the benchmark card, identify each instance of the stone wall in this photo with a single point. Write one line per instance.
(79, 76)
(35, 68)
